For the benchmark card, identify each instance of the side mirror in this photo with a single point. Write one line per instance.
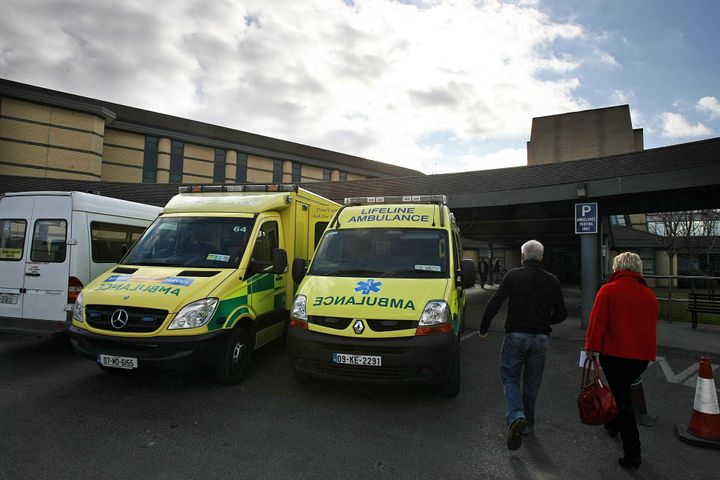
(467, 273)
(299, 269)
(279, 257)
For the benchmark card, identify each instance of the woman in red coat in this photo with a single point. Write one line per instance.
(622, 330)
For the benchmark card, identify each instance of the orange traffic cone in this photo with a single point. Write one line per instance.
(704, 427)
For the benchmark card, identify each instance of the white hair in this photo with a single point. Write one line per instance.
(628, 261)
(532, 250)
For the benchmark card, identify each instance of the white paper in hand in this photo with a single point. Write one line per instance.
(583, 356)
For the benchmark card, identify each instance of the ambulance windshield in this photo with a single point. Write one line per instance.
(211, 242)
(383, 252)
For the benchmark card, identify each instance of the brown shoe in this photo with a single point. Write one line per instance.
(514, 436)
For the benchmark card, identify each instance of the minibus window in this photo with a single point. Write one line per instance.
(49, 241)
(12, 239)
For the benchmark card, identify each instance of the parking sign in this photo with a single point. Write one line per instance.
(586, 218)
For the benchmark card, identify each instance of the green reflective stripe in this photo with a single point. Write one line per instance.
(264, 281)
(225, 309)
(279, 301)
(239, 313)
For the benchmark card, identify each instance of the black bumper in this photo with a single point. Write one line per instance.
(157, 351)
(408, 360)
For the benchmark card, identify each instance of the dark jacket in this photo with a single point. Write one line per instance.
(536, 300)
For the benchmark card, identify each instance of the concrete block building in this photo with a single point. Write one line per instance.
(51, 134)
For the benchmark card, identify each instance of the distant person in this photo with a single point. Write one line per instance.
(622, 330)
(496, 272)
(535, 303)
(483, 268)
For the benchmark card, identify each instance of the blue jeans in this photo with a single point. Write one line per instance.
(522, 357)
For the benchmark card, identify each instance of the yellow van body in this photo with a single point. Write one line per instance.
(208, 281)
(383, 298)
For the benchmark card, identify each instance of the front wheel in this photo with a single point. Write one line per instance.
(450, 387)
(234, 359)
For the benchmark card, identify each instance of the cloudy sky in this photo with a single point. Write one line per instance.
(434, 85)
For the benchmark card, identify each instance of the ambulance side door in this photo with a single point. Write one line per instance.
(266, 290)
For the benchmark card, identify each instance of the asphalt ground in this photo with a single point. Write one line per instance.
(61, 417)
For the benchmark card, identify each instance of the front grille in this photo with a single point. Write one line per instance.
(330, 322)
(375, 325)
(390, 325)
(139, 319)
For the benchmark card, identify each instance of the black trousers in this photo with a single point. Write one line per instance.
(620, 374)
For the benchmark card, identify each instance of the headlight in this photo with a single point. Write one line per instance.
(78, 309)
(194, 314)
(436, 312)
(299, 310)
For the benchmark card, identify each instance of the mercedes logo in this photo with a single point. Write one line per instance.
(358, 326)
(119, 319)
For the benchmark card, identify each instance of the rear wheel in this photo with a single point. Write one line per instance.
(234, 358)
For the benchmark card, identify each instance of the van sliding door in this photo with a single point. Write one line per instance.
(13, 250)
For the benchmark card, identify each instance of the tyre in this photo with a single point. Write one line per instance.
(450, 387)
(234, 358)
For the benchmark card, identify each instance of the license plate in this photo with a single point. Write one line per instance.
(364, 360)
(9, 299)
(113, 361)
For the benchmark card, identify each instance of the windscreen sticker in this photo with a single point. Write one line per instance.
(389, 214)
(218, 258)
(10, 253)
(365, 288)
(428, 268)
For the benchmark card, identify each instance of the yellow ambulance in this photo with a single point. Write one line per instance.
(383, 300)
(207, 281)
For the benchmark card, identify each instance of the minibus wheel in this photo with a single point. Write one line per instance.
(234, 358)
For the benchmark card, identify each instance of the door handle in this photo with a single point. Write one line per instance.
(32, 274)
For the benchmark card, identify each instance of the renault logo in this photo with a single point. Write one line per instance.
(358, 326)
(119, 319)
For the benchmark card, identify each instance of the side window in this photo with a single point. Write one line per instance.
(457, 251)
(12, 239)
(110, 240)
(265, 243)
(49, 241)
(319, 230)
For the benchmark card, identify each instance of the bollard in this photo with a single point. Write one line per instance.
(638, 402)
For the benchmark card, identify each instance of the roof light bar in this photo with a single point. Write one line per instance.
(438, 199)
(285, 187)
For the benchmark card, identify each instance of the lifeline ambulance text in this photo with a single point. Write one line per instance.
(399, 303)
(389, 214)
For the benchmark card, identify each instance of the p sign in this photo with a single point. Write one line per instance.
(586, 218)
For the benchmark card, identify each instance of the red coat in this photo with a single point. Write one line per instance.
(624, 318)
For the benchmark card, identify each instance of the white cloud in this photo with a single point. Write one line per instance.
(508, 157)
(709, 105)
(677, 126)
(365, 77)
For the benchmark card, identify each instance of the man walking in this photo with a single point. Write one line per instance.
(535, 302)
(484, 267)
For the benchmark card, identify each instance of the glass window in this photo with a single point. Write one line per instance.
(265, 243)
(111, 241)
(241, 170)
(296, 172)
(383, 252)
(343, 176)
(49, 241)
(277, 171)
(177, 155)
(319, 230)
(219, 170)
(647, 255)
(327, 174)
(212, 242)
(150, 160)
(12, 239)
